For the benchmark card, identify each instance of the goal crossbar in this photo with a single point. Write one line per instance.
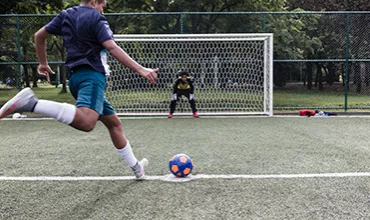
(190, 39)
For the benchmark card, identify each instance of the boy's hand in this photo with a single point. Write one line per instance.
(45, 70)
(149, 74)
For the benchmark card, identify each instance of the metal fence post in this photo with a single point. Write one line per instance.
(264, 26)
(19, 75)
(181, 23)
(346, 86)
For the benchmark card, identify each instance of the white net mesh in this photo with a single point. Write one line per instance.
(232, 73)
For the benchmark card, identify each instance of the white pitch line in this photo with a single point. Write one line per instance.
(202, 116)
(171, 178)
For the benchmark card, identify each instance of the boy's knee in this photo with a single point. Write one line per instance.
(87, 126)
(114, 125)
(85, 119)
(84, 124)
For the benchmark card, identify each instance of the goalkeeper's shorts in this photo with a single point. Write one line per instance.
(88, 88)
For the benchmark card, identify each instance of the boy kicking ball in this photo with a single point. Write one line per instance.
(87, 38)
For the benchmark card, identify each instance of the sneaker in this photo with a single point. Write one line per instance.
(139, 168)
(24, 101)
(170, 115)
(195, 115)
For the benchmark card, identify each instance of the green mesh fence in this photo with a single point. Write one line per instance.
(321, 59)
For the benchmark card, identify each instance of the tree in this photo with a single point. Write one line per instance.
(27, 29)
(29, 7)
(330, 5)
(334, 36)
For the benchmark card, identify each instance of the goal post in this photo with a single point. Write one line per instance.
(232, 74)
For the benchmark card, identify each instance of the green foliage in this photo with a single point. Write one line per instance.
(330, 5)
(296, 36)
(29, 7)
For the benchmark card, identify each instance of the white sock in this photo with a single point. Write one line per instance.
(127, 154)
(62, 112)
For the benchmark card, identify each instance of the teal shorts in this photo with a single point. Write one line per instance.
(88, 88)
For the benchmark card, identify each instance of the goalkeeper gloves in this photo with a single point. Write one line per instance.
(191, 97)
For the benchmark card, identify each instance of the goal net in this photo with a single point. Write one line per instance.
(232, 74)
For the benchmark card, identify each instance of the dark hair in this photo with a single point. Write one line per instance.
(183, 72)
(87, 1)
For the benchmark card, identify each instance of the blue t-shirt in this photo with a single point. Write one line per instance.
(83, 30)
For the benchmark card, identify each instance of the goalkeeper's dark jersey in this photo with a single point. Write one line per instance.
(181, 86)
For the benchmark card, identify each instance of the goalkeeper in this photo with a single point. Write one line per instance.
(183, 87)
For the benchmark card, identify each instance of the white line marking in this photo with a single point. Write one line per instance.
(171, 178)
(202, 116)
(27, 119)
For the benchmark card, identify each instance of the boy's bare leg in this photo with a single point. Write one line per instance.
(115, 128)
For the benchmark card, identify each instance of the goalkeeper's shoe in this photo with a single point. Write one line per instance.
(195, 115)
(170, 115)
(24, 101)
(139, 168)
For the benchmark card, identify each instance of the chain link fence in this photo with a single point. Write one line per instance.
(321, 59)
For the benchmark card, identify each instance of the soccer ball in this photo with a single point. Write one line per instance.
(181, 165)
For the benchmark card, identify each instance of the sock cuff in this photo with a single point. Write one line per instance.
(127, 146)
(67, 113)
(63, 112)
(34, 105)
(127, 154)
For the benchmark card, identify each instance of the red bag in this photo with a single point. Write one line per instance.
(307, 113)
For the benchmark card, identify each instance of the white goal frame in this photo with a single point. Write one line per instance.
(117, 96)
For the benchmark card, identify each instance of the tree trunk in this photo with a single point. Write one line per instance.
(279, 76)
(316, 75)
(62, 68)
(35, 77)
(63, 79)
(25, 78)
(357, 77)
(343, 75)
(319, 76)
(330, 73)
(364, 73)
(309, 75)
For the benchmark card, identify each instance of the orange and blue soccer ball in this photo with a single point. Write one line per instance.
(181, 165)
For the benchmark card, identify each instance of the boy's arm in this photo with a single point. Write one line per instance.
(40, 43)
(126, 60)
